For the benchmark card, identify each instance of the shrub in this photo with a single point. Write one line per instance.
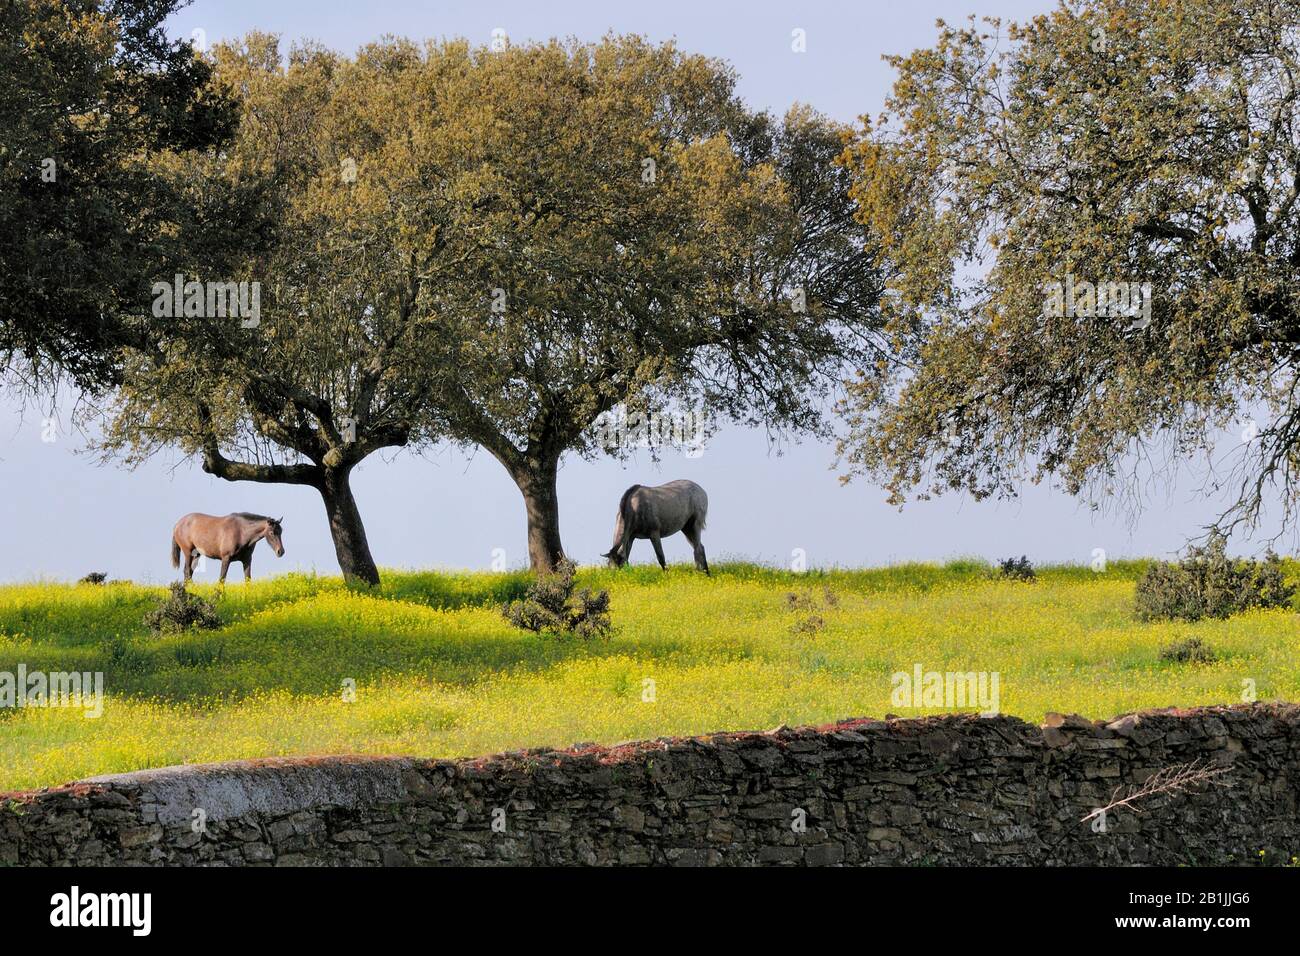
(808, 625)
(798, 602)
(181, 611)
(808, 601)
(1208, 583)
(1018, 569)
(1191, 650)
(551, 604)
(94, 577)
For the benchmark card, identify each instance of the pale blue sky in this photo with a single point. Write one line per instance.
(63, 515)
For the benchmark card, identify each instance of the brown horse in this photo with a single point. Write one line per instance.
(230, 538)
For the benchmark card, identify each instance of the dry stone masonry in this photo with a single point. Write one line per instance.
(939, 790)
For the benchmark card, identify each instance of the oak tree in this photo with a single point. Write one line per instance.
(1091, 227)
(316, 372)
(631, 235)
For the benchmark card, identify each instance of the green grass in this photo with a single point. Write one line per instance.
(438, 672)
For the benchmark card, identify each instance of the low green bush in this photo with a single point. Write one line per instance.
(1017, 569)
(808, 625)
(1209, 583)
(1191, 650)
(181, 611)
(552, 604)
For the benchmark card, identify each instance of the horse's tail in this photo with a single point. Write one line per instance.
(702, 513)
(625, 505)
(623, 525)
(176, 554)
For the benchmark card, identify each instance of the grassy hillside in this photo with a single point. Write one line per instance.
(438, 672)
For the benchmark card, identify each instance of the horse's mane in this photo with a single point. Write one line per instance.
(249, 516)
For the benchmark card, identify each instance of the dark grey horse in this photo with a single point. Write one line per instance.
(658, 511)
(231, 538)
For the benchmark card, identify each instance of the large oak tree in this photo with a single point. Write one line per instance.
(1140, 142)
(631, 235)
(325, 375)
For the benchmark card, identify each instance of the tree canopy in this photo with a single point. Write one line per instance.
(1090, 225)
(90, 91)
(630, 234)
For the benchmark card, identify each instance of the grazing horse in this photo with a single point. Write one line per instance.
(653, 512)
(230, 538)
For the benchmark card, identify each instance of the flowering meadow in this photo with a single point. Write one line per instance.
(426, 665)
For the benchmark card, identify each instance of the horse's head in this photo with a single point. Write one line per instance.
(273, 533)
(615, 556)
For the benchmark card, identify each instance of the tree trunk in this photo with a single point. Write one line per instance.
(350, 545)
(537, 482)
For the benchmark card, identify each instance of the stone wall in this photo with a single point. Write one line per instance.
(942, 790)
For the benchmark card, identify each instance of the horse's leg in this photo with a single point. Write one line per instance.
(225, 566)
(189, 564)
(625, 546)
(248, 567)
(659, 550)
(697, 546)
